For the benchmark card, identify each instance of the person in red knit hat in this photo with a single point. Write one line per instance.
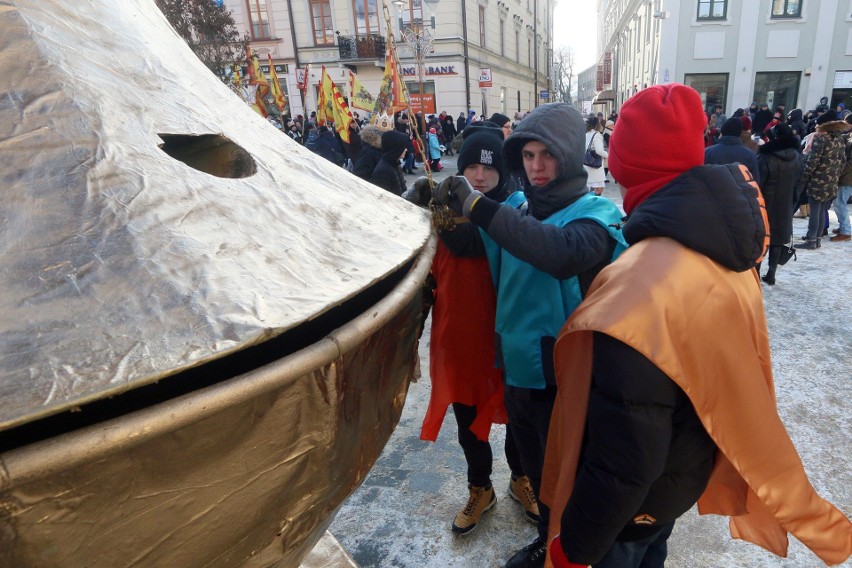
(664, 379)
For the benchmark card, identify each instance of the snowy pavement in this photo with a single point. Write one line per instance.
(400, 517)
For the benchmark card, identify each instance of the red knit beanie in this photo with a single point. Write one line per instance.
(658, 136)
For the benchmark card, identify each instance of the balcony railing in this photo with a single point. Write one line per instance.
(361, 47)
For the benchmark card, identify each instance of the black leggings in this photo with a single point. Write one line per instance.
(477, 453)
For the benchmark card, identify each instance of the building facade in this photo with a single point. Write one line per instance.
(733, 52)
(486, 55)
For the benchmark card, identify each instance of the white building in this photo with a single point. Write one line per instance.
(462, 41)
(733, 52)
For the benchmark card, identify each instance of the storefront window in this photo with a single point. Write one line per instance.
(773, 89)
(713, 88)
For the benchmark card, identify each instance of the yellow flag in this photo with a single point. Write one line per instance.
(391, 96)
(275, 87)
(325, 108)
(360, 97)
(257, 79)
(342, 116)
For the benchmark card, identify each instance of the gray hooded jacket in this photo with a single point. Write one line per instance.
(580, 248)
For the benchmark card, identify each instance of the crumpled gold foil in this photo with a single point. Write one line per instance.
(152, 222)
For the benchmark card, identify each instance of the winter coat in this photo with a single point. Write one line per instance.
(388, 173)
(636, 456)
(730, 150)
(449, 126)
(797, 124)
(567, 237)
(311, 141)
(434, 147)
(846, 174)
(370, 154)
(461, 122)
(761, 119)
(328, 147)
(596, 140)
(825, 162)
(780, 164)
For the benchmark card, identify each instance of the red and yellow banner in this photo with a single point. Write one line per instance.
(278, 97)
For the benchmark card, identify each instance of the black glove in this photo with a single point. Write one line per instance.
(455, 192)
(422, 190)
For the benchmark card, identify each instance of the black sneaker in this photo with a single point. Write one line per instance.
(530, 556)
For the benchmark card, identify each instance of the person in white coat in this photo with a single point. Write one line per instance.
(595, 141)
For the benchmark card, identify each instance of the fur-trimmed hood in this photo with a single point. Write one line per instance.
(836, 126)
(372, 135)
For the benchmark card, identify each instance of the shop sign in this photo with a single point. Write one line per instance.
(422, 103)
(485, 77)
(429, 70)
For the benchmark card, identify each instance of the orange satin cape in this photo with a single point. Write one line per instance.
(461, 353)
(704, 326)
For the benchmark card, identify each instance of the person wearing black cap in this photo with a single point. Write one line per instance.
(503, 121)
(729, 149)
(819, 179)
(545, 246)
(388, 173)
(461, 351)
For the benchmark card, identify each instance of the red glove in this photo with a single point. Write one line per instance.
(558, 558)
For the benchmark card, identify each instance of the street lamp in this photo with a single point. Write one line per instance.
(419, 39)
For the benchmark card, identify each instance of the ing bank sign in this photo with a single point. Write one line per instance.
(430, 70)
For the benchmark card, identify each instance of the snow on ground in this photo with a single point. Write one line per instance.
(400, 517)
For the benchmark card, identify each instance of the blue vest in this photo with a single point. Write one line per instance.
(532, 306)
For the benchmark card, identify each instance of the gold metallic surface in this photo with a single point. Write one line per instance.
(215, 477)
(152, 221)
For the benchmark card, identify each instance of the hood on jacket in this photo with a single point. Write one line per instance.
(561, 128)
(710, 209)
(393, 143)
(795, 115)
(779, 145)
(372, 135)
(834, 126)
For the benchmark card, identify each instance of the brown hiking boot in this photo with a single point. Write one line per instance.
(481, 500)
(839, 237)
(521, 491)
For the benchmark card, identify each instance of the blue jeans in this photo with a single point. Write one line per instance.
(650, 552)
(842, 209)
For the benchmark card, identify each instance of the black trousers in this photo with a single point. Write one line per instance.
(529, 413)
(477, 453)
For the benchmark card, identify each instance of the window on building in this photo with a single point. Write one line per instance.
(648, 23)
(777, 88)
(258, 19)
(412, 15)
(786, 8)
(712, 9)
(713, 88)
(639, 33)
(366, 17)
(517, 46)
(321, 21)
(482, 26)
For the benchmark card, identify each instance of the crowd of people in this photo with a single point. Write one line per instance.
(627, 397)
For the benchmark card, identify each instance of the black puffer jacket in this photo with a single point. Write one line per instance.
(780, 164)
(388, 173)
(645, 451)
